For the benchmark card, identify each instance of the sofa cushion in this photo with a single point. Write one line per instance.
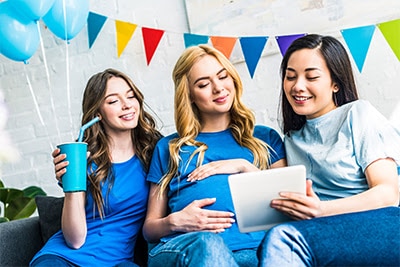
(20, 240)
(49, 209)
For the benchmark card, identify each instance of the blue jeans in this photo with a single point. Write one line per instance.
(51, 260)
(370, 238)
(57, 261)
(199, 249)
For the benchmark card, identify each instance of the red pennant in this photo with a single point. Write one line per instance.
(151, 39)
(224, 44)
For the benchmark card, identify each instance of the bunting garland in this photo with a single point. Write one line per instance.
(252, 48)
(224, 44)
(285, 41)
(194, 39)
(151, 39)
(391, 32)
(124, 32)
(357, 39)
(94, 23)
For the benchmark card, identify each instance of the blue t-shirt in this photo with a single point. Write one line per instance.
(337, 147)
(111, 240)
(221, 146)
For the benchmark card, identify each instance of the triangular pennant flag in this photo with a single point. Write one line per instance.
(224, 44)
(151, 39)
(286, 40)
(391, 32)
(194, 39)
(94, 24)
(252, 48)
(358, 41)
(124, 31)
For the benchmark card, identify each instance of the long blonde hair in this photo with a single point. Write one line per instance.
(144, 136)
(188, 119)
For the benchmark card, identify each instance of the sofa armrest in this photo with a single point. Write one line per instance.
(20, 240)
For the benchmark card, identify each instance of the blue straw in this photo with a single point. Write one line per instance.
(85, 126)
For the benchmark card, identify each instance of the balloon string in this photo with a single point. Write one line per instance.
(68, 85)
(48, 83)
(36, 104)
(67, 65)
(33, 96)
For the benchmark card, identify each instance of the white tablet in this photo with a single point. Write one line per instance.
(252, 193)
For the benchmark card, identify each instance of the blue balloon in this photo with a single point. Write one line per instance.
(75, 16)
(19, 36)
(33, 9)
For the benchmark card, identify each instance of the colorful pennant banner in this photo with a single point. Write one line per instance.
(224, 44)
(252, 48)
(194, 39)
(391, 31)
(286, 40)
(357, 39)
(151, 39)
(124, 31)
(96, 22)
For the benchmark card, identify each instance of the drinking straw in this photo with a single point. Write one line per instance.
(85, 126)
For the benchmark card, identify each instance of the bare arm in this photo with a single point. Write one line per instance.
(192, 218)
(73, 219)
(383, 191)
(227, 166)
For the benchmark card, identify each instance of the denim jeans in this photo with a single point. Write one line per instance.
(51, 260)
(57, 261)
(198, 249)
(370, 238)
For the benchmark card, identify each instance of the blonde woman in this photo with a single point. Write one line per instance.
(190, 214)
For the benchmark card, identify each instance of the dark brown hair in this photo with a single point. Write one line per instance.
(338, 63)
(144, 136)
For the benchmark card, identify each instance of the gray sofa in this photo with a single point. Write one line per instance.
(21, 239)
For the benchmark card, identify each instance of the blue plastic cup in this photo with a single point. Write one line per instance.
(74, 180)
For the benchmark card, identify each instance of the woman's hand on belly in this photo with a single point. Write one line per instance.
(194, 218)
(229, 166)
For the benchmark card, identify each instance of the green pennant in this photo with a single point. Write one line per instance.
(391, 32)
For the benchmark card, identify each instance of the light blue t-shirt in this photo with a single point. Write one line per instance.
(337, 147)
(221, 146)
(109, 241)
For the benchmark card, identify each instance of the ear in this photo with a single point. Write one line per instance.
(335, 88)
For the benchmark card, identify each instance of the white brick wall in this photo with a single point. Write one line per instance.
(378, 82)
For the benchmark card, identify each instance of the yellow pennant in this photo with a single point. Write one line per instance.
(124, 31)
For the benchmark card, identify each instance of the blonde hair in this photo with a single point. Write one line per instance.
(188, 119)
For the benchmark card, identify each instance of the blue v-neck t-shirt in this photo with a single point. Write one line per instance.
(221, 146)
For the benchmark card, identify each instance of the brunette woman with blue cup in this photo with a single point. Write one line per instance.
(100, 224)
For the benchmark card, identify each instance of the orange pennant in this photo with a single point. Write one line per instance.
(151, 38)
(124, 31)
(224, 44)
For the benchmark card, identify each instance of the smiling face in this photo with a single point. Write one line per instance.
(308, 85)
(212, 89)
(120, 108)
